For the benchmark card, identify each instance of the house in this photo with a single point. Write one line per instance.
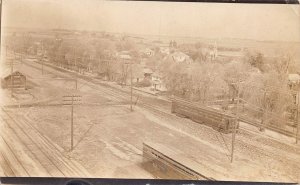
(147, 73)
(294, 80)
(125, 57)
(164, 50)
(147, 52)
(179, 57)
(13, 80)
(157, 83)
(294, 84)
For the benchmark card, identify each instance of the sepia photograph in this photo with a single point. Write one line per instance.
(150, 90)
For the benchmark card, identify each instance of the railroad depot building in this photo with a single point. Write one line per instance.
(14, 80)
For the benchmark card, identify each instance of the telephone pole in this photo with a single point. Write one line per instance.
(131, 86)
(12, 75)
(298, 120)
(71, 100)
(42, 64)
(236, 121)
(42, 58)
(264, 112)
(131, 89)
(11, 78)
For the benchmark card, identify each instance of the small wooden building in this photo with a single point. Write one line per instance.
(14, 80)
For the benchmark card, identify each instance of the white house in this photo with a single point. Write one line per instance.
(148, 52)
(165, 50)
(123, 54)
(294, 79)
(157, 83)
(180, 57)
(125, 57)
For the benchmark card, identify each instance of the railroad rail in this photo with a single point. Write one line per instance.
(44, 152)
(123, 95)
(92, 82)
(269, 127)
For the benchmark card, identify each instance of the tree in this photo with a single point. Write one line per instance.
(197, 82)
(198, 45)
(236, 71)
(173, 44)
(277, 97)
(255, 59)
(207, 82)
(282, 64)
(267, 93)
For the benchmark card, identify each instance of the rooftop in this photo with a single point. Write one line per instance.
(294, 78)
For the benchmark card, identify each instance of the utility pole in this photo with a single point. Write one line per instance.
(236, 121)
(12, 75)
(11, 78)
(131, 86)
(42, 58)
(42, 64)
(76, 83)
(264, 112)
(298, 120)
(21, 54)
(23, 50)
(70, 101)
(74, 56)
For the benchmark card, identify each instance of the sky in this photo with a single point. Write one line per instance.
(207, 20)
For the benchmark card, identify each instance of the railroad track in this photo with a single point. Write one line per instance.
(169, 116)
(161, 112)
(13, 106)
(71, 165)
(124, 97)
(44, 152)
(10, 162)
(25, 140)
(270, 127)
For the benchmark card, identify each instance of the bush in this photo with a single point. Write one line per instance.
(143, 83)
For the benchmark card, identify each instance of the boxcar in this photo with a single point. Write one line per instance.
(218, 120)
(168, 163)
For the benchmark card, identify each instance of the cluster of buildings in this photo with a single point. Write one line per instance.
(145, 70)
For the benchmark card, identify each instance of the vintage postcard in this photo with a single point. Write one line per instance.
(150, 90)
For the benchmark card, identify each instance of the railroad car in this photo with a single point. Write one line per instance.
(165, 162)
(218, 120)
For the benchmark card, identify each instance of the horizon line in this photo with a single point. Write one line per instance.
(125, 33)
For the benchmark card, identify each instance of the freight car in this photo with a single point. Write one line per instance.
(218, 120)
(165, 162)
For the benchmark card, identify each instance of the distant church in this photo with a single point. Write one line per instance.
(214, 52)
